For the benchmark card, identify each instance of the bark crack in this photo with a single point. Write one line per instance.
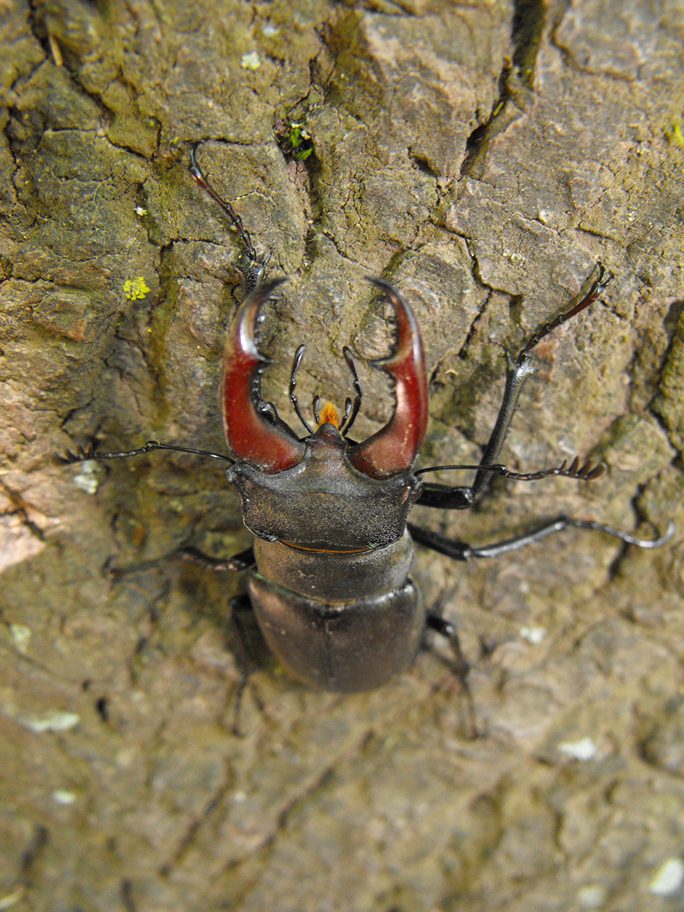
(516, 83)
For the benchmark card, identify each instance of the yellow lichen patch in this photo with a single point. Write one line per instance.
(675, 135)
(329, 415)
(135, 289)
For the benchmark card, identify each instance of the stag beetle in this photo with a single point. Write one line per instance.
(329, 569)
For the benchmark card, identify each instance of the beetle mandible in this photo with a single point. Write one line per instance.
(328, 574)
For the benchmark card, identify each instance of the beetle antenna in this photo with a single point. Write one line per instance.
(581, 471)
(299, 354)
(347, 411)
(83, 454)
(350, 418)
(316, 401)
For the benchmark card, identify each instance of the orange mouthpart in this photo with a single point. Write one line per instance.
(329, 415)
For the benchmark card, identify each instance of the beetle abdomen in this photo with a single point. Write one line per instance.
(339, 646)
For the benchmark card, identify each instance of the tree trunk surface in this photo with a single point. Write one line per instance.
(483, 157)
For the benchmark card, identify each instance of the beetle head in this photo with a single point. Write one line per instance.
(256, 433)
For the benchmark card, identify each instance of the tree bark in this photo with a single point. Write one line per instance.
(483, 158)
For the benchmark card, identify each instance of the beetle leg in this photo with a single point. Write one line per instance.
(519, 369)
(458, 665)
(460, 550)
(240, 561)
(253, 272)
(251, 654)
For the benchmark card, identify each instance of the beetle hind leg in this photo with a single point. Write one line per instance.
(251, 655)
(457, 664)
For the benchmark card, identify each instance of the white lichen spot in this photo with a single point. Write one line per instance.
(513, 257)
(87, 479)
(668, 878)
(582, 749)
(533, 635)
(591, 897)
(56, 721)
(63, 796)
(140, 211)
(18, 542)
(10, 899)
(250, 61)
(269, 29)
(21, 636)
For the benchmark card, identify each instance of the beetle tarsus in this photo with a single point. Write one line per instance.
(254, 269)
(596, 288)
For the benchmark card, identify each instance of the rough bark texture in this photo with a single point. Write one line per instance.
(483, 157)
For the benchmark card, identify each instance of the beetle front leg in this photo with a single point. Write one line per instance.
(519, 369)
(254, 266)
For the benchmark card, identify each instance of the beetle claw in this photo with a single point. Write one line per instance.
(254, 430)
(70, 457)
(582, 471)
(394, 448)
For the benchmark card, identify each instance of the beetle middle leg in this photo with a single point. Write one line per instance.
(460, 550)
(241, 561)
